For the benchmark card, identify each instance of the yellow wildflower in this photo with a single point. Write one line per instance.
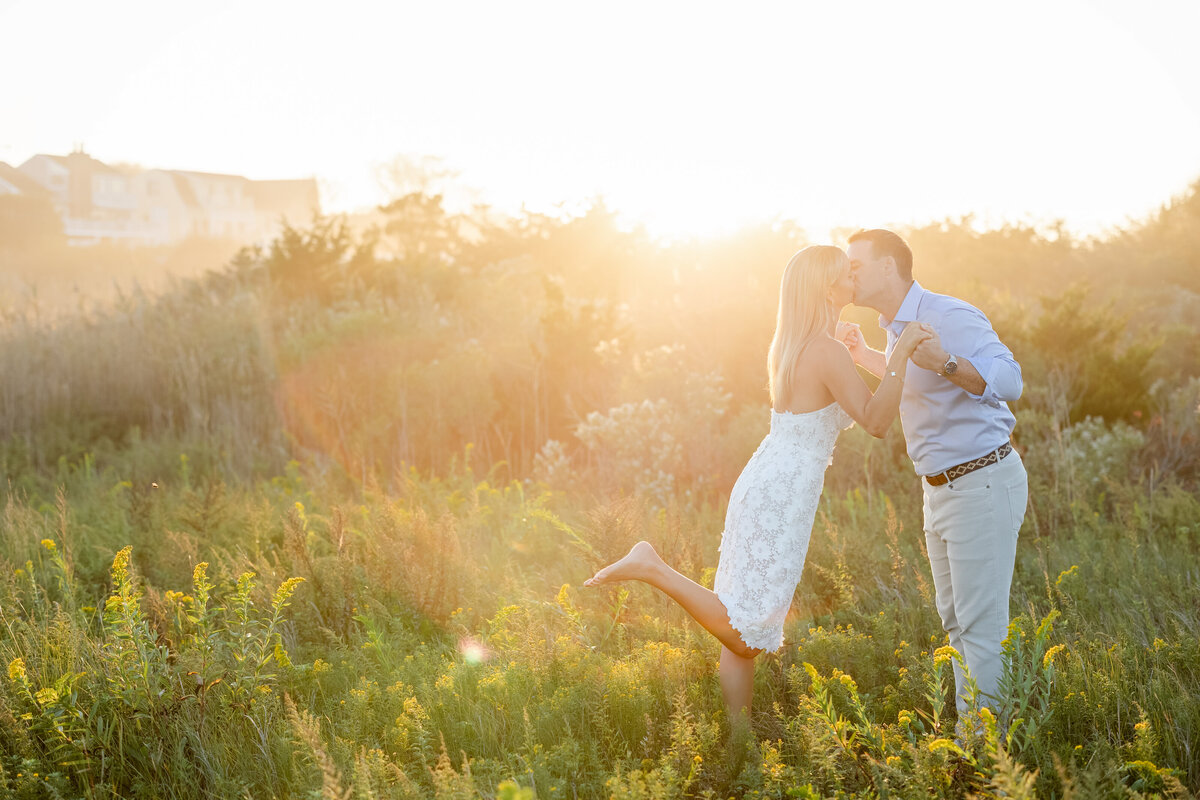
(944, 654)
(944, 744)
(1053, 651)
(285, 590)
(1066, 573)
(120, 565)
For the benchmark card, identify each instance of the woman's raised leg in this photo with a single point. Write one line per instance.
(643, 563)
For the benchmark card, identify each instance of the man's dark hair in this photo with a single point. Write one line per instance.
(885, 243)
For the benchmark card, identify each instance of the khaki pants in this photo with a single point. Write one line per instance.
(971, 526)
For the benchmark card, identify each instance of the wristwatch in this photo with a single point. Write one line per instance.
(950, 367)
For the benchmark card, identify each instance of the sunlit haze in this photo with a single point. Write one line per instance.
(692, 118)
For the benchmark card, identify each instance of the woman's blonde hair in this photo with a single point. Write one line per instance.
(805, 312)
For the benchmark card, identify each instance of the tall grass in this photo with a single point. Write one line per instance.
(437, 643)
(190, 362)
(329, 541)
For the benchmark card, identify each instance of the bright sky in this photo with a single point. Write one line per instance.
(692, 117)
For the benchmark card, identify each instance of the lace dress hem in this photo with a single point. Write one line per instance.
(768, 638)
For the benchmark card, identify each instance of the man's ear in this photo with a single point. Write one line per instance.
(889, 264)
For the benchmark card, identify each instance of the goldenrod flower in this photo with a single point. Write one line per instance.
(944, 744)
(1049, 657)
(120, 565)
(285, 591)
(945, 653)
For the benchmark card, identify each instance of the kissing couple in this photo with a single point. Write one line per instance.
(950, 377)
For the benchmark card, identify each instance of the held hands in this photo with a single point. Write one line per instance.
(915, 336)
(929, 353)
(918, 341)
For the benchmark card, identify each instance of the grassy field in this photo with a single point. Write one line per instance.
(226, 572)
(290, 638)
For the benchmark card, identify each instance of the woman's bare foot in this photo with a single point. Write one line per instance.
(637, 564)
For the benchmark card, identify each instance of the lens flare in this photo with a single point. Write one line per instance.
(473, 651)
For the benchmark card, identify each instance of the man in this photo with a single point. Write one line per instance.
(957, 425)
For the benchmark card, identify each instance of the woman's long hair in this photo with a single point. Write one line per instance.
(805, 313)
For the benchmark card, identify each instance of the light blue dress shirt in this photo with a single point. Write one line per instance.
(944, 424)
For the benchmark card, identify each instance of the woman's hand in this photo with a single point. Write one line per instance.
(850, 334)
(914, 334)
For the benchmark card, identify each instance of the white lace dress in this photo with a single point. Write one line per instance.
(770, 519)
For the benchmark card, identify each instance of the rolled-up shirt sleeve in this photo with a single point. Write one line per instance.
(968, 333)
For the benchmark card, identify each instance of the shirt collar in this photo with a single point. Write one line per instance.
(908, 308)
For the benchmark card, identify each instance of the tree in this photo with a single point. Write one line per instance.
(1084, 345)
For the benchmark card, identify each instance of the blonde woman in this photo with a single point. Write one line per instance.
(815, 393)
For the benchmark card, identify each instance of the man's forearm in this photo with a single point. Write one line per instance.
(967, 378)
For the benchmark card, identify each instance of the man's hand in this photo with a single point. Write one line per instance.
(850, 334)
(930, 354)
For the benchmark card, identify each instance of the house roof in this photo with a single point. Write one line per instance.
(25, 184)
(78, 159)
(274, 197)
(210, 175)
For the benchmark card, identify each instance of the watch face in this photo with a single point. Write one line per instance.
(951, 366)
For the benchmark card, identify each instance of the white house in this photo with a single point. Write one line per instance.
(98, 202)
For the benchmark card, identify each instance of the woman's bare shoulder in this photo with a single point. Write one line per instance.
(828, 351)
